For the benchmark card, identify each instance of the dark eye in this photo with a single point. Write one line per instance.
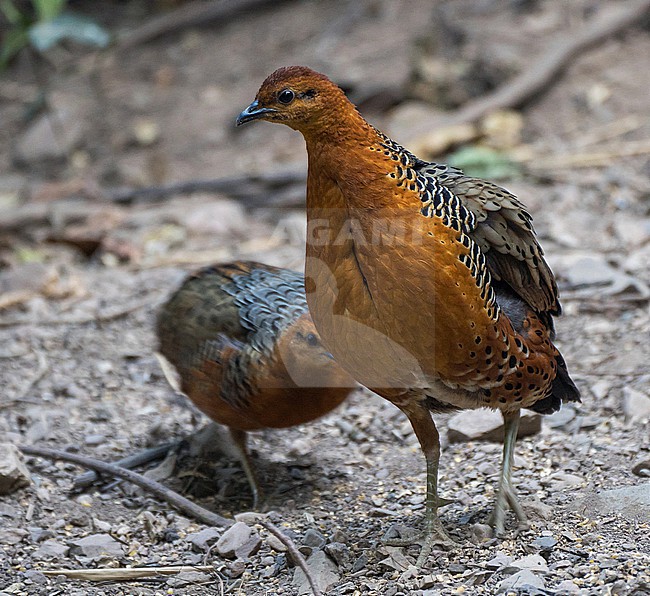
(286, 96)
(312, 339)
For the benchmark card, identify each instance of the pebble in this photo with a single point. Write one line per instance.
(13, 535)
(239, 541)
(636, 405)
(630, 502)
(531, 562)
(499, 561)
(51, 549)
(13, 471)
(520, 581)
(323, 571)
(566, 587)
(314, 539)
(545, 543)
(203, 540)
(275, 543)
(340, 553)
(487, 425)
(97, 546)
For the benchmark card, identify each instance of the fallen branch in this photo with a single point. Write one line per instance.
(98, 318)
(162, 492)
(296, 555)
(253, 190)
(542, 71)
(125, 574)
(539, 76)
(132, 461)
(190, 15)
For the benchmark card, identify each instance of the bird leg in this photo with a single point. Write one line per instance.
(239, 439)
(506, 494)
(427, 434)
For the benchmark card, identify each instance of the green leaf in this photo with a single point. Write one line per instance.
(482, 162)
(12, 14)
(14, 41)
(46, 10)
(43, 36)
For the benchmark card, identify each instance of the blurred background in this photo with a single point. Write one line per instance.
(121, 170)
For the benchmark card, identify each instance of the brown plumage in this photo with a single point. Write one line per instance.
(427, 285)
(246, 350)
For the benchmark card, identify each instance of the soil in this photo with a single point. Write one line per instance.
(81, 283)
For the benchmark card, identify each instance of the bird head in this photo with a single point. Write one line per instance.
(299, 97)
(307, 360)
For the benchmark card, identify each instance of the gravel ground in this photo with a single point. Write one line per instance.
(77, 369)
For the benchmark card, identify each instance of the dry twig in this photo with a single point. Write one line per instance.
(533, 81)
(122, 574)
(190, 15)
(88, 478)
(296, 555)
(98, 318)
(162, 492)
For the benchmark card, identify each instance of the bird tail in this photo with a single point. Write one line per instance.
(563, 389)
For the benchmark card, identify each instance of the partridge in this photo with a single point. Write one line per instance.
(247, 353)
(427, 285)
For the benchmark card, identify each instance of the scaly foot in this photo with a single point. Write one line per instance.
(432, 535)
(506, 497)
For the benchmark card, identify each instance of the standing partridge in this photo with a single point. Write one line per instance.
(247, 353)
(428, 286)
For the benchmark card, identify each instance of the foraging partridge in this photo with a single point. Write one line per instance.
(428, 286)
(245, 348)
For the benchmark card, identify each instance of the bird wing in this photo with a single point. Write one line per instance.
(499, 223)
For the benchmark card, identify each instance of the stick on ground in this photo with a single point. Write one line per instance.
(162, 492)
(296, 555)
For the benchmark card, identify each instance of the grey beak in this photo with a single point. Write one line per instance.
(252, 112)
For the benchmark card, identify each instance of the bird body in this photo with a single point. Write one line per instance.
(428, 286)
(246, 350)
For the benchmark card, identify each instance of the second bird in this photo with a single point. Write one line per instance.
(246, 350)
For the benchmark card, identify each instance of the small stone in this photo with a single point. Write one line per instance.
(545, 543)
(36, 534)
(94, 440)
(97, 546)
(340, 553)
(631, 502)
(51, 549)
(499, 561)
(339, 535)
(203, 540)
(642, 468)
(314, 539)
(185, 578)
(481, 533)
(15, 535)
(566, 587)
(249, 517)
(487, 425)
(239, 541)
(535, 563)
(636, 405)
(275, 543)
(520, 581)
(535, 509)
(323, 572)
(36, 577)
(561, 419)
(13, 471)
(54, 135)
